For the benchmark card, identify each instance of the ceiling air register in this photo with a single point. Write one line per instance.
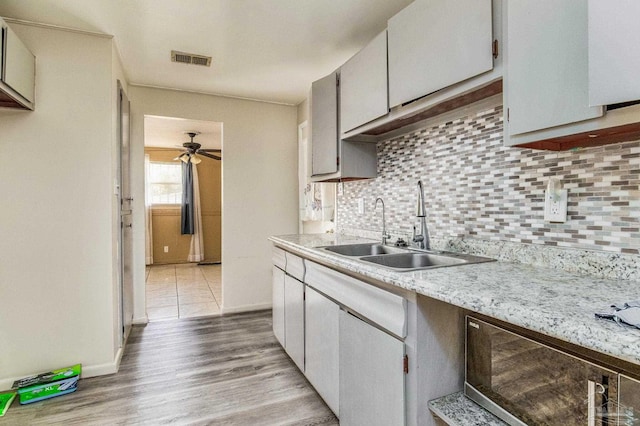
(190, 58)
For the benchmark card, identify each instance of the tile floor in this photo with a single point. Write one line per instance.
(183, 291)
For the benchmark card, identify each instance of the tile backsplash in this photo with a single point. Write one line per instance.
(477, 188)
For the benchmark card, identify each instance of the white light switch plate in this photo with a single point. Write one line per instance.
(556, 211)
(360, 205)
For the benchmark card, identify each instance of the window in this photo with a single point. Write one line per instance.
(165, 182)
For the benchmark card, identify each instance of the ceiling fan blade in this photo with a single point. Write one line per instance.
(209, 150)
(204, 154)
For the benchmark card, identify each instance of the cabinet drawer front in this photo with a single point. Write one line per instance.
(278, 258)
(295, 266)
(379, 306)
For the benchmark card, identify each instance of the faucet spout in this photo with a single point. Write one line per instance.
(421, 239)
(384, 223)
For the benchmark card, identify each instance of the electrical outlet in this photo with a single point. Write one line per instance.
(360, 205)
(555, 210)
(166, 249)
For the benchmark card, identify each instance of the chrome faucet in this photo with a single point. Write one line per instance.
(384, 224)
(422, 239)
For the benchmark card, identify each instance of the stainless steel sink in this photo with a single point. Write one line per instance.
(366, 249)
(412, 261)
(403, 259)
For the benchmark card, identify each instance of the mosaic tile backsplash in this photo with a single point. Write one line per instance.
(477, 188)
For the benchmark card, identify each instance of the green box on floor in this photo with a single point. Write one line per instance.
(48, 385)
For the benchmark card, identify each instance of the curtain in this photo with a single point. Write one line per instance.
(186, 211)
(196, 251)
(318, 201)
(148, 234)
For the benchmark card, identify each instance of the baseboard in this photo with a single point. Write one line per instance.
(87, 371)
(245, 308)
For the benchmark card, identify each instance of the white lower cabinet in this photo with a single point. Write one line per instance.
(372, 390)
(321, 347)
(278, 304)
(294, 320)
(351, 339)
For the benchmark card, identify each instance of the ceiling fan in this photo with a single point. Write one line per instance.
(193, 150)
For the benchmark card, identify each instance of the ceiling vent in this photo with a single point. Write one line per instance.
(190, 58)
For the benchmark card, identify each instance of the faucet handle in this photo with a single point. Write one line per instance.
(400, 242)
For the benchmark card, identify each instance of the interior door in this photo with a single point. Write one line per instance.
(126, 225)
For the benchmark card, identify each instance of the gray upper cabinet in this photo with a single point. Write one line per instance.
(437, 43)
(546, 76)
(363, 85)
(614, 51)
(17, 71)
(324, 125)
(334, 159)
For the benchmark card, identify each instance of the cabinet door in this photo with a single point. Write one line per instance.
(436, 43)
(278, 304)
(19, 69)
(371, 375)
(614, 51)
(546, 82)
(294, 320)
(363, 85)
(321, 346)
(629, 406)
(324, 125)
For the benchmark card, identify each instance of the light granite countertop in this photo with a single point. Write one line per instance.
(549, 301)
(457, 410)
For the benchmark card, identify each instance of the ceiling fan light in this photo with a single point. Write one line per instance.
(184, 158)
(195, 160)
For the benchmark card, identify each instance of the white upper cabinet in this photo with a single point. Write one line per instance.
(436, 43)
(324, 125)
(546, 79)
(363, 85)
(614, 51)
(17, 71)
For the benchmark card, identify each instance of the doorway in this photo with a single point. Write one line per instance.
(183, 235)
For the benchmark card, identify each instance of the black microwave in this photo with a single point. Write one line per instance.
(525, 382)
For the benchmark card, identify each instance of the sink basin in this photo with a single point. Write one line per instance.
(412, 261)
(367, 249)
(402, 259)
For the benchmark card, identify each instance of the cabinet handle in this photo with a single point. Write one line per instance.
(591, 398)
(592, 389)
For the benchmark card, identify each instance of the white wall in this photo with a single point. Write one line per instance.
(259, 186)
(56, 220)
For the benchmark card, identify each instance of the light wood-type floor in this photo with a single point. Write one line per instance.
(183, 291)
(225, 370)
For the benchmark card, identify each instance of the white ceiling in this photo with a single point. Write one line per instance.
(169, 132)
(262, 49)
